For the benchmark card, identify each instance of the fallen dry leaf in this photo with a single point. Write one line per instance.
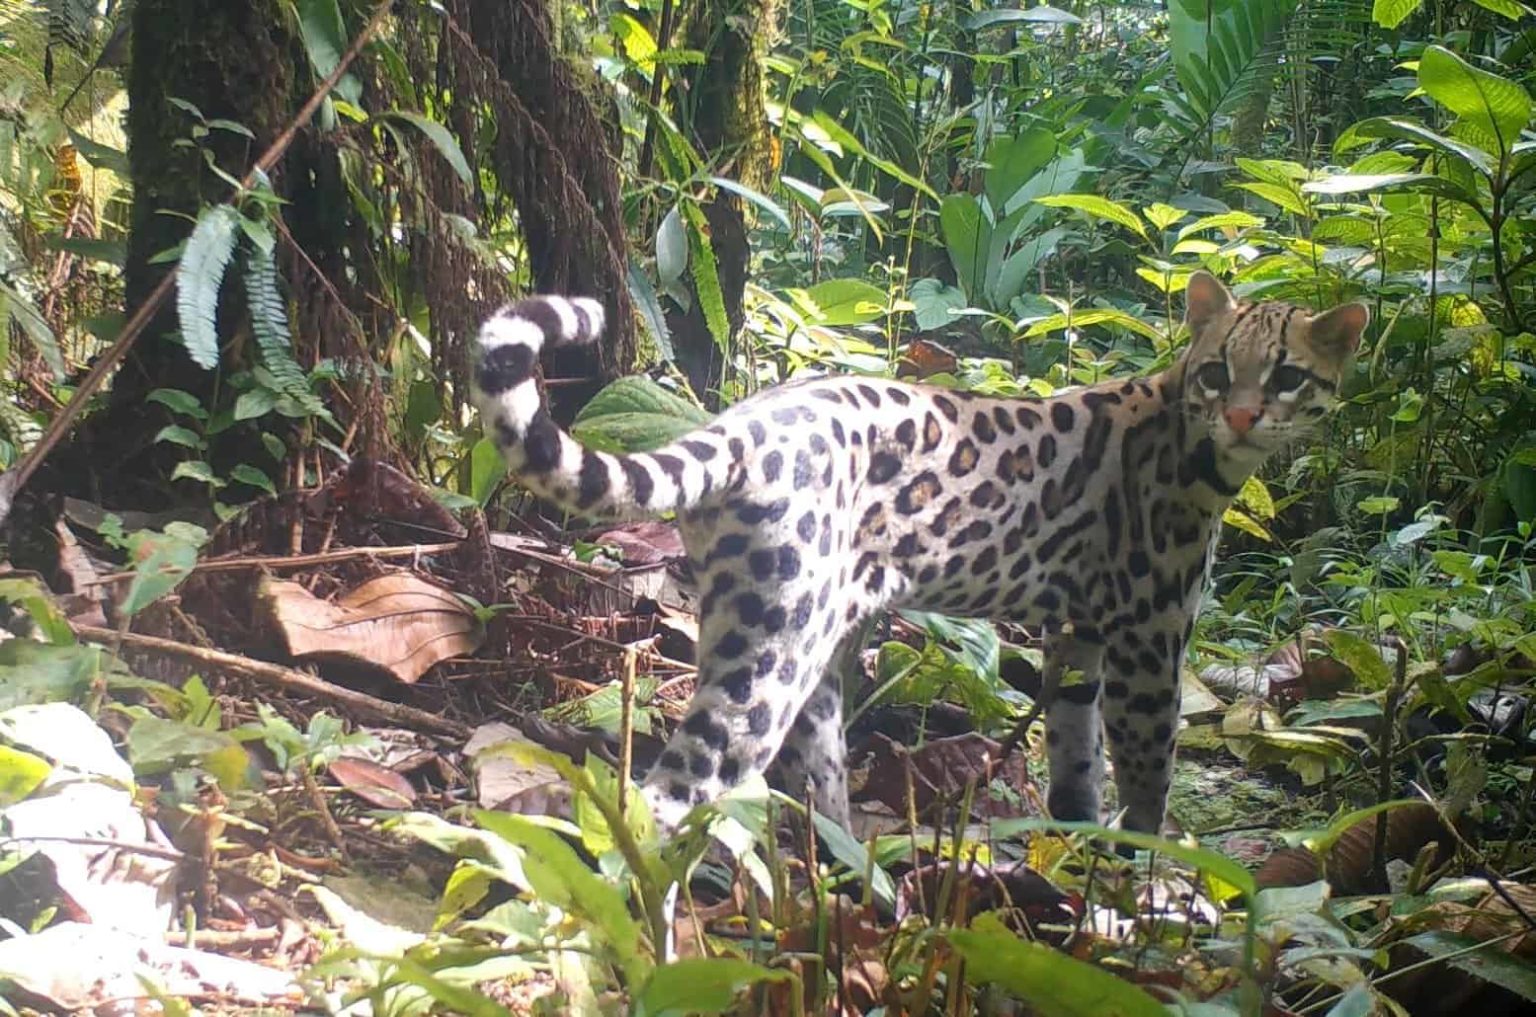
(374, 784)
(73, 967)
(1350, 860)
(397, 622)
(940, 771)
(649, 542)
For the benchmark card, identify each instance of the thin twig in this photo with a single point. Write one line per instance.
(13, 479)
(296, 561)
(283, 677)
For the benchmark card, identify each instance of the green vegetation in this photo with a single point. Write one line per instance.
(1002, 198)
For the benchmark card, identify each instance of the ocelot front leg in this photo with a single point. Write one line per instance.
(1141, 717)
(1074, 731)
(815, 750)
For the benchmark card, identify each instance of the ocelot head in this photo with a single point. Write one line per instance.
(1258, 375)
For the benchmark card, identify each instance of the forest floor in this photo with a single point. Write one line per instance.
(276, 746)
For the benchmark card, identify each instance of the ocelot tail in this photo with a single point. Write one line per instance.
(812, 507)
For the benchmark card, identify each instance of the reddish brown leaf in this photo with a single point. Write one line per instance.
(374, 784)
(940, 771)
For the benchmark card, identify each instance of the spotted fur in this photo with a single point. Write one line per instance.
(812, 507)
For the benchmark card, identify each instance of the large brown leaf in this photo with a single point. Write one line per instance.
(399, 623)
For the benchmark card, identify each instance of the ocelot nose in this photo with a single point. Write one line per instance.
(1241, 418)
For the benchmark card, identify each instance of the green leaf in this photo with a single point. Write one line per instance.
(635, 414)
(1510, 9)
(162, 560)
(845, 302)
(1279, 194)
(1235, 220)
(17, 309)
(1378, 505)
(155, 744)
(1099, 207)
(700, 985)
(1485, 100)
(441, 139)
(1162, 216)
(325, 42)
(1408, 130)
(1051, 982)
(101, 156)
(1361, 657)
(486, 468)
(1082, 319)
(33, 672)
(1041, 15)
(269, 323)
(111, 252)
(1391, 13)
(1218, 865)
(198, 278)
(1012, 160)
(762, 201)
(854, 857)
(1361, 183)
(1484, 961)
(706, 276)
(20, 774)
(257, 402)
(177, 435)
(245, 473)
(32, 598)
(194, 469)
(671, 249)
(559, 876)
(961, 223)
(932, 303)
(179, 401)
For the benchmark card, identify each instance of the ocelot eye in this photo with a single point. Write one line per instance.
(1214, 377)
(1286, 378)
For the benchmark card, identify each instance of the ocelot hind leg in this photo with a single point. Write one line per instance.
(763, 646)
(815, 750)
(1141, 717)
(1074, 731)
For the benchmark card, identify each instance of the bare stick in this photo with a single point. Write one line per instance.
(13, 479)
(283, 677)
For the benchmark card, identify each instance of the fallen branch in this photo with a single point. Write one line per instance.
(282, 677)
(295, 561)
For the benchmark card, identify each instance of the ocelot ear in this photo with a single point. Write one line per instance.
(1205, 300)
(1338, 331)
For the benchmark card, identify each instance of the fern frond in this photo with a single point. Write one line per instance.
(71, 23)
(269, 320)
(198, 278)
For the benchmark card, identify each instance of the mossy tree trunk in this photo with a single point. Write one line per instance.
(234, 61)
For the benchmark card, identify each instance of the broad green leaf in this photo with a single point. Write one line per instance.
(1044, 14)
(840, 302)
(20, 774)
(1099, 207)
(245, 473)
(1051, 982)
(325, 42)
(1218, 865)
(635, 414)
(198, 278)
(111, 252)
(700, 985)
(486, 468)
(162, 560)
(1162, 216)
(1362, 183)
(156, 745)
(17, 309)
(1391, 13)
(1511, 9)
(442, 139)
(1082, 319)
(179, 401)
(1240, 520)
(671, 249)
(33, 672)
(1361, 657)
(101, 156)
(255, 403)
(1279, 194)
(762, 201)
(194, 469)
(706, 276)
(932, 303)
(1235, 220)
(1255, 497)
(1484, 961)
(961, 223)
(1408, 130)
(178, 435)
(1378, 505)
(854, 857)
(1483, 99)
(32, 598)
(1013, 159)
(559, 876)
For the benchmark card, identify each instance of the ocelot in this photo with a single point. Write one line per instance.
(811, 507)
